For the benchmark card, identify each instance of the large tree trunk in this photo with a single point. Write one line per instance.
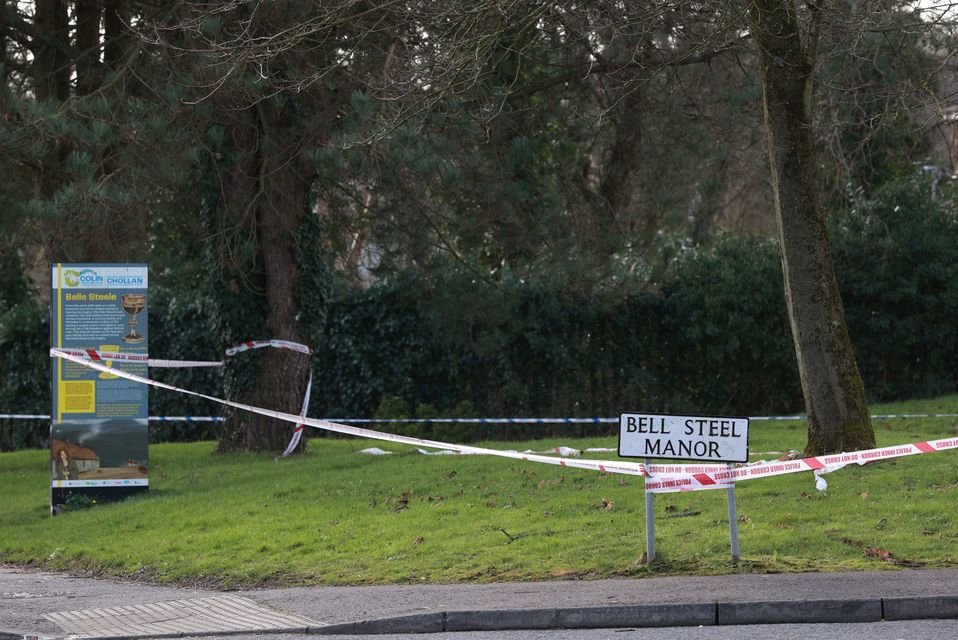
(269, 184)
(616, 186)
(838, 417)
(51, 64)
(89, 13)
(116, 15)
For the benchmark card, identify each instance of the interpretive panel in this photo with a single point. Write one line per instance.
(98, 434)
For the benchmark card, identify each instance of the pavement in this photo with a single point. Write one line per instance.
(53, 605)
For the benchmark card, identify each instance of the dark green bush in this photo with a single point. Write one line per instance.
(180, 330)
(897, 259)
(24, 375)
(728, 346)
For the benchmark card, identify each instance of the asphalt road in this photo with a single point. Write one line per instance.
(28, 596)
(908, 630)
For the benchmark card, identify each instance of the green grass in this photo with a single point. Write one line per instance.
(335, 517)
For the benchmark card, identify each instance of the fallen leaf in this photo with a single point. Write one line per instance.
(878, 552)
(403, 501)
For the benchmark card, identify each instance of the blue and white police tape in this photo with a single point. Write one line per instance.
(25, 416)
(888, 416)
(611, 466)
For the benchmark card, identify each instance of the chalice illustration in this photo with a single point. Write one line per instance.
(133, 303)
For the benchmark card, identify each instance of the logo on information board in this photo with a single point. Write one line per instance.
(84, 278)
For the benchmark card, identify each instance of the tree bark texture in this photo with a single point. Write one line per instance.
(89, 13)
(51, 63)
(838, 417)
(616, 186)
(116, 15)
(269, 186)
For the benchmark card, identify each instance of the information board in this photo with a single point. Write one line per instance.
(705, 438)
(99, 429)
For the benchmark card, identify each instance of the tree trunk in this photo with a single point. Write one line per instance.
(88, 14)
(51, 64)
(270, 184)
(616, 187)
(5, 37)
(711, 202)
(116, 14)
(838, 417)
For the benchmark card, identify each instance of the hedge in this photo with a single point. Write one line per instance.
(712, 338)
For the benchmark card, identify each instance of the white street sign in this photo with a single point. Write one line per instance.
(705, 438)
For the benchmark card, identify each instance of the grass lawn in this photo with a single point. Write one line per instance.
(337, 517)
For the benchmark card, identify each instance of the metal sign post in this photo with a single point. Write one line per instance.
(649, 522)
(698, 438)
(733, 521)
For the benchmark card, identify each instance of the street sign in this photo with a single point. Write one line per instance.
(703, 438)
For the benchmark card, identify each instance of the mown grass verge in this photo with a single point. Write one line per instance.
(336, 517)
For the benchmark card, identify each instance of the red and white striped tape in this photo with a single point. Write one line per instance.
(609, 466)
(184, 364)
(663, 480)
(298, 429)
(277, 344)
(95, 355)
(98, 355)
(659, 478)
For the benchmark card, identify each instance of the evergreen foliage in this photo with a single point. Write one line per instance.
(540, 191)
(713, 339)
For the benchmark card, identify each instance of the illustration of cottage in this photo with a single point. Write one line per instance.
(85, 459)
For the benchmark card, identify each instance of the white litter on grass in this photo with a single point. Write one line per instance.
(820, 482)
(565, 452)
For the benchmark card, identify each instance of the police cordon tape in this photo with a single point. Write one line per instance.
(110, 356)
(46, 416)
(630, 468)
(278, 344)
(877, 416)
(95, 355)
(660, 478)
(98, 355)
(666, 479)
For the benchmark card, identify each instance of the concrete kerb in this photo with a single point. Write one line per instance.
(920, 608)
(633, 616)
(660, 615)
(799, 612)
